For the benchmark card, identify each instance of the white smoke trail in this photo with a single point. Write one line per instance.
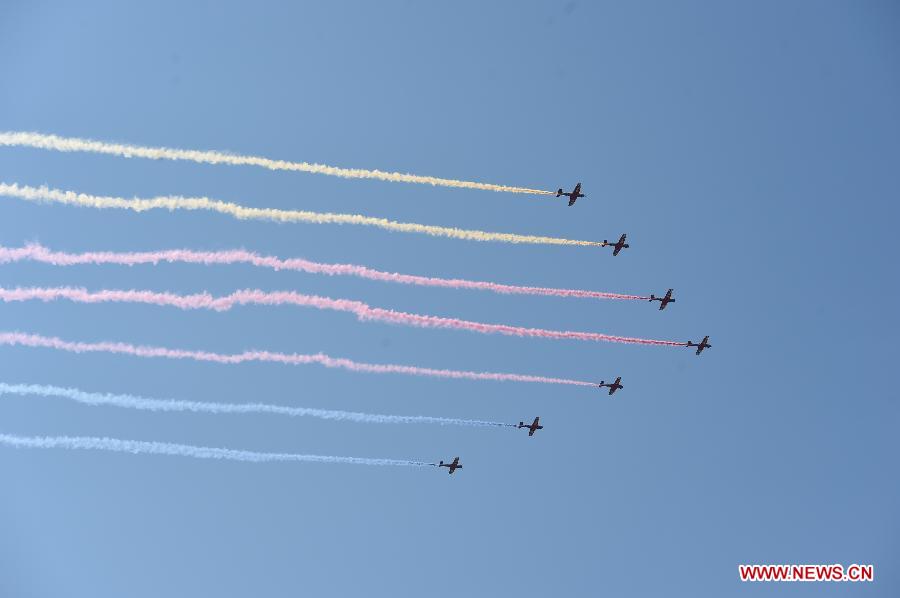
(140, 447)
(174, 202)
(74, 144)
(134, 402)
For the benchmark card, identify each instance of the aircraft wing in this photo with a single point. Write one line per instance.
(572, 200)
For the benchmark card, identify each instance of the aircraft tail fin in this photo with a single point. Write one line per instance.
(559, 192)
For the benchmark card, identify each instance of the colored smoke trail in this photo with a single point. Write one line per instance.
(362, 311)
(41, 254)
(74, 144)
(140, 447)
(35, 340)
(174, 202)
(134, 402)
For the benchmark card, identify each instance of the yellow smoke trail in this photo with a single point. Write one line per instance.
(244, 213)
(75, 144)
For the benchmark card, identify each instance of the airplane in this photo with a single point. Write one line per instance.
(663, 301)
(452, 466)
(534, 427)
(619, 246)
(573, 196)
(704, 344)
(613, 387)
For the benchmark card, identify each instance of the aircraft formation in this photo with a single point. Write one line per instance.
(363, 311)
(616, 385)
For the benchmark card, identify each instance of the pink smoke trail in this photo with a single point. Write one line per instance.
(35, 340)
(39, 253)
(362, 311)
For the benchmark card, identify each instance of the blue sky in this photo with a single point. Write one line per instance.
(748, 149)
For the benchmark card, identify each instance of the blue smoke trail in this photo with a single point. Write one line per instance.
(184, 450)
(133, 402)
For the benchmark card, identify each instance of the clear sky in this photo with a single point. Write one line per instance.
(749, 150)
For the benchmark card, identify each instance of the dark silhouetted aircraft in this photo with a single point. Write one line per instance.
(704, 344)
(451, 466)
(663, 301)
(573, 196)
(613, 387)
(619, 245)
(534, 427)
